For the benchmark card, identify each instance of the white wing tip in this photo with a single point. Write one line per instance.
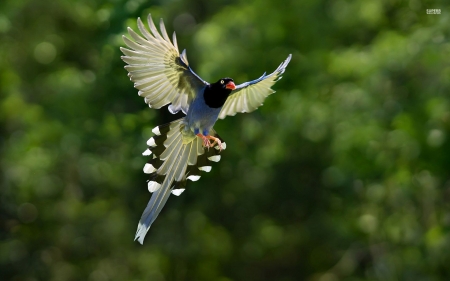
(153, 186)
(172, 109)
(147, 152)
(184, 57)
(177, 192)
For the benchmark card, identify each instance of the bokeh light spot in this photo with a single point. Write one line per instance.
(184, 23)
(27, 212)
(368, 223)
(4, 24)
(436, 138)
(45, 52)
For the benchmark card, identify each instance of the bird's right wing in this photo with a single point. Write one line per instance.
(157, 69)
(249, 96)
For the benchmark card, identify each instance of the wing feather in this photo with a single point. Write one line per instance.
(157, 69)
(248, 96)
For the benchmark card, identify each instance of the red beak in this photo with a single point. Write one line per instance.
(230, 86)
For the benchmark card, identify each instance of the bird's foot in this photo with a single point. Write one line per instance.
(208, 144)
(216, 141)
(205, 139)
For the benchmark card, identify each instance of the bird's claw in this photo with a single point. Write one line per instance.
(216, 141)
(208, 144)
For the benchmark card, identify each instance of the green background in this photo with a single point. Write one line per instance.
(343, 174)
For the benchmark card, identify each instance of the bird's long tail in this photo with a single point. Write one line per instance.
(176, 155)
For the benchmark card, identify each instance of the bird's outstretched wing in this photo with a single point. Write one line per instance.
(158, 70)
(249, 96)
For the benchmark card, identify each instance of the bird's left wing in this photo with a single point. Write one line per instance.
(158, 70)
(249, 96)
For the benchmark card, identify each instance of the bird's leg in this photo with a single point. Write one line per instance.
(205, 139)
(208, 144)
(215, 140)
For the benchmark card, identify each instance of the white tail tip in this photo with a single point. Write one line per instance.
(148, 168)
(205, 168)
(147, 152)
(193, 177)
(151, 142)
(215, 158)
(156, 131)
(177, 192)
(153, 186)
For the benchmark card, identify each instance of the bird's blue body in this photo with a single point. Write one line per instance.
(200, 117)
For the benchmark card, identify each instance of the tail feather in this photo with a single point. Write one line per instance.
(158, 199)
(174, 160)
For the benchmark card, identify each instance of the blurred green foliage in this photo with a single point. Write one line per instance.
(343, 174)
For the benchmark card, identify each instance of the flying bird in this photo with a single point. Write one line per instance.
(180, 150)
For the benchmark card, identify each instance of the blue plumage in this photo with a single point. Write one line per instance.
(206, 106)
(200, 117)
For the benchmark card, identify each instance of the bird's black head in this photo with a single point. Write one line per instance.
(217, 93)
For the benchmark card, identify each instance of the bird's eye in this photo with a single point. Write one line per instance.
(221, 82)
